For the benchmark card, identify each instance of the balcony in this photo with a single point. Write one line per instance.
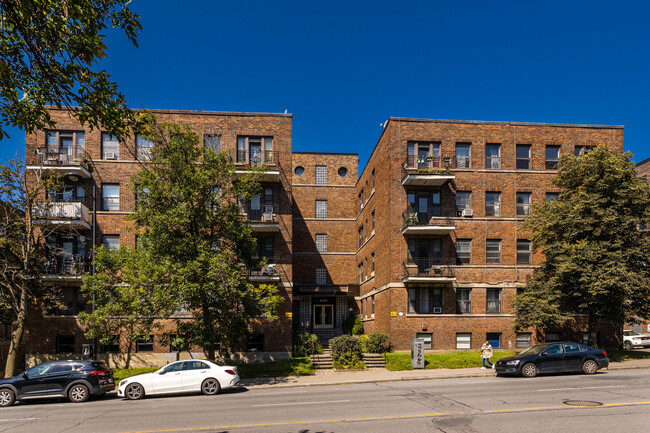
(426, 223)
(62, 160)
(73, 215)
(261, 218)
(245, 161)
(66, 267)
(429, 270)
(426, 171)
(267, 273)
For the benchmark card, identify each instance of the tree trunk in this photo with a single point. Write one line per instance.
(592, 331)
(210, 351)
(17, 336)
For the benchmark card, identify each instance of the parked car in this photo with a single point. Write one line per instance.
(632, 339)
(180, 377)
(553, 358)
(73, 379)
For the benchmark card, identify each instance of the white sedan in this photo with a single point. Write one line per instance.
(180, 377)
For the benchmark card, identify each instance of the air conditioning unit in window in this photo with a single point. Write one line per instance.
(437, 310)
(267, 217)
(110, 155)
(468, 212)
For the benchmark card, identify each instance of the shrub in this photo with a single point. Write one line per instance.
(357, 329)
(305, 344)
(346, 352)
(378, 342)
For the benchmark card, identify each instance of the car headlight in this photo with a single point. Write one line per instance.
(123, 382)
(513, 363)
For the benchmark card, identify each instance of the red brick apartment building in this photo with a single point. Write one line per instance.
(426, 242)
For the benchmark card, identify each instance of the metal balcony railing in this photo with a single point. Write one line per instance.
(62, 210)
(411, 218)
(254, 159)
(493, 306)
(417, 162)
(62, 156)
(429, 267)
(263, 213)
(65, 264)
(270, 269)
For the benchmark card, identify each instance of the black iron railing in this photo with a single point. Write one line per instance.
(429, 267)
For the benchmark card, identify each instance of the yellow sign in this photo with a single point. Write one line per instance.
(393, 314)
(288, 314)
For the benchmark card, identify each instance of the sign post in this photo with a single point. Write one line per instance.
(417, 353)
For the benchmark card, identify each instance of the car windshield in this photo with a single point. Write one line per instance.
(533, 350)
(629, 333)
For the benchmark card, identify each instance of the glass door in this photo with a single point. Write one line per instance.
(323, 316)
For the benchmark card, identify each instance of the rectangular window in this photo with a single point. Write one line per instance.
(493, 204)
(552, 157)
(373, 181)
(494, 338)
(523, 157)
(463, 301)
(111, 242)
(428, 338)
(581, 150)
(372, 264)
(255, 150)
(360, 201)
(493, 156)
(436, 204)
(361, 237)
(552, 196)
(321, 242)
(551, 337)
(113, 346)
(523, 252)
(212, 142)
(65, 344)
(373, 221)
(321, 209)
(493, 251)
(360, 270)
(523, 340)
(144, 345)
(463, 201)
(110, 146)
(463, 156)
(493, 301)
(372, 302)
(321, 175)
(111, 196)
(321, 276)
(463, 341)
(523, 203)
(143, 148)
(464, 251)
(425, 301)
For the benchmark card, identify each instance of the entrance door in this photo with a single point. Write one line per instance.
(323, 316)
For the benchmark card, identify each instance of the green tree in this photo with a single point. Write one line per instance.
(197, 245)
(49, 51)
(595, 244)
(22, 250)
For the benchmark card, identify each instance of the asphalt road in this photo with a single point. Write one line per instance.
(483, 404)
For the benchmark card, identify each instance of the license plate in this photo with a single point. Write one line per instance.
(110, 380)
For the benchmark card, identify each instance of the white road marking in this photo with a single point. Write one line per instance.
(581, 387)
(282, 393)
(299, 403)
(18, 419)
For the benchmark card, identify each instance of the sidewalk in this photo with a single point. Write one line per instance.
(332, 377)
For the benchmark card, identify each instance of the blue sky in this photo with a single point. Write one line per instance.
(342, 68)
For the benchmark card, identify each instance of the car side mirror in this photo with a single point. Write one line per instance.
(543, 354)
(24, 375)
(161, 372)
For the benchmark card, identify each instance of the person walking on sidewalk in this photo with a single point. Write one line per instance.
(486, 354)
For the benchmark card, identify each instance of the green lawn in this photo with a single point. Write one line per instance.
(289, 367)
(464, 359)
(623, 355)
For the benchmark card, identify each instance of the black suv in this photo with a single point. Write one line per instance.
(76, 380)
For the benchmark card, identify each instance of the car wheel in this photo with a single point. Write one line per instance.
(78, 393)
(590, 367)
(7, 397)
(210, 387)
(134, 391)
(628, 345)
(529, 370)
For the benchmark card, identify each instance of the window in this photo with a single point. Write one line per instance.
(463, 251)
(360, 236)
(463, 341)
(523, 203)
(299, 171)
(372, 218)
(265, 248)
(321, 209)
(321, 242)
(360, 271)
(427, 340)
(143, 148)
(373, 180)
(113, 346)
(111, 242)
(63, 146)
(463, 155)
(571, 348)
(111, 196)
(372, 264)
(321, 276)
(72, 302)
(523, 252)
(436, 205)
(552, 157)
(550, 337)
(552, 196)
(585, 338)
(110, 146)
(425, 300)
(343, 171)
(65, 344)
(255, 342)
(321, 175)
(493, 204)
(463, 201)
(212, 142)
(581, 150)
(493, 156)
(144, 344)
(523, 157)
(493, 251)
(360, 201)
(254, 150)
(372, 301)
(523, 340)
(494, 338)
(493, 301)
(463, 301)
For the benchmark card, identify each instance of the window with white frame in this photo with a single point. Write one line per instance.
(523, 252)
(321, 242)
(372, 264)
(321, 209)
(110, 146)
(111, 242)
(463, 201)
(427, 337)
(111, 196)
(493, 204)
(425, 300)
(463, 155)
(360, 271)
(463, 341)
(493, 251)
(143, 148)
(321, 276)
(321, 175)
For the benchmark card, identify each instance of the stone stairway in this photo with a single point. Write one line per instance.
(323, 360)
(374, 360)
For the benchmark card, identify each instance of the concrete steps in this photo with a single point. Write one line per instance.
(374, 360)
(322, 361)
